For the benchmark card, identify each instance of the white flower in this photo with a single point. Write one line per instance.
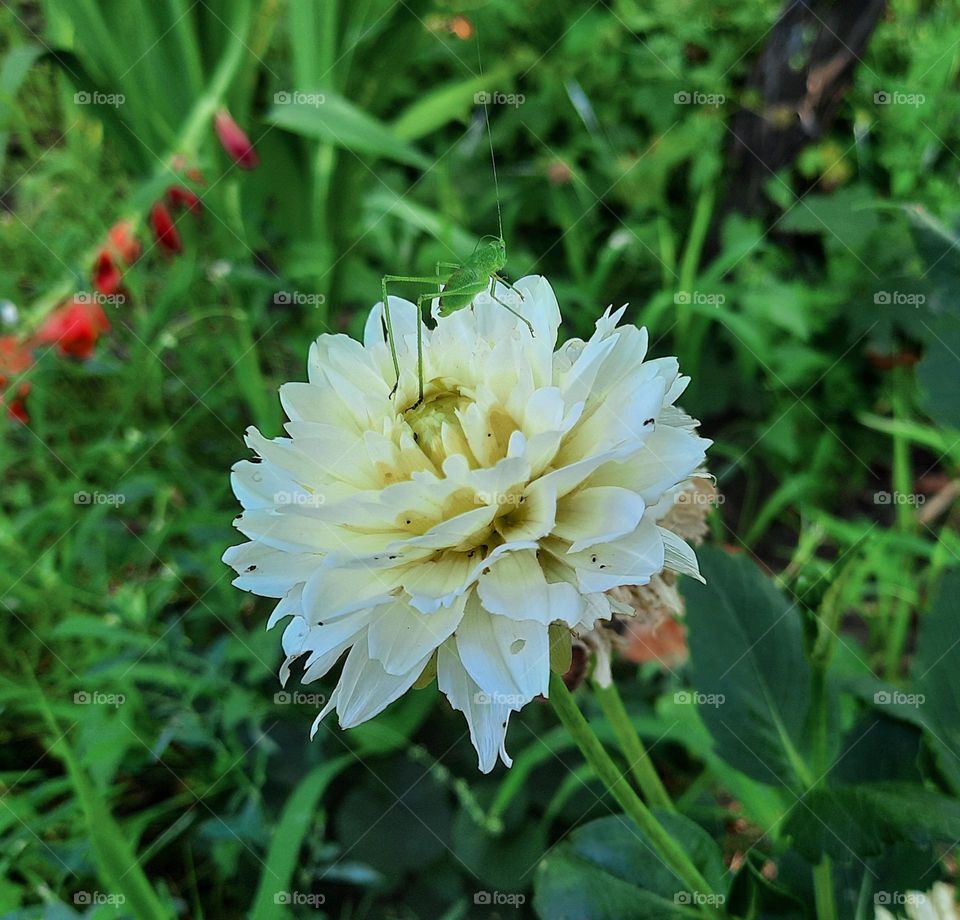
(939, 903)
(524, 488)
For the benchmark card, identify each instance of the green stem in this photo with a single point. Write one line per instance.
(906, 522)
(690, 260)
(606, 770)
(820, 657)
(633, 749)
(823, 890)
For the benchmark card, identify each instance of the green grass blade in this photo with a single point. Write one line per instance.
(294, 823)
(117, 863)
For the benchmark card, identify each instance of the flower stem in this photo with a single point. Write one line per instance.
(823, 890)
(822, 652)
(606, 770)
(633, 748)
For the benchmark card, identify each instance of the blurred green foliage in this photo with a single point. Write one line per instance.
(144, 751)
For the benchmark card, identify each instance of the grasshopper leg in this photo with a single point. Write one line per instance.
(428, 297)
(506, 283)
(507, 307)
(391, 340)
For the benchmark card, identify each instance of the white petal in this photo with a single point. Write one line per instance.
(567, 478)
(321, 640)
(678, 555)
(333, 591)
(668, 456)
(516, 587)
(437, 582)
(294, 636)
(327, 709)
(486, 718)
(399, 636)
(534, 516)
(576, 383)
(269, 572)
(257, 485)
(633, 560)
(597, 515)
(366, 689)
(507, 658)
(289, 606)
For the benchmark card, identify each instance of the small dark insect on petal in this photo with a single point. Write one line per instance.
(251, 568)
(649, 421)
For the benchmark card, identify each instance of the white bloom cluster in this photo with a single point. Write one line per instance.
(452, 535)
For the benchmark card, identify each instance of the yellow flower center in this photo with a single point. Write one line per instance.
(437, 410)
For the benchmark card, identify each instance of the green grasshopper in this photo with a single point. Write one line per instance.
(478, 274)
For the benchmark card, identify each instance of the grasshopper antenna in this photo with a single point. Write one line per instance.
(493, 159)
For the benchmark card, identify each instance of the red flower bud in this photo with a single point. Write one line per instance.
(14, 360)
(122, 243)
(235, 141)
(107, 278)
(74, 327)
(164, 229)
(180, 197)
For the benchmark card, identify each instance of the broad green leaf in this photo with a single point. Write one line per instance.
(854, 822)
(751, 678)
(327, 116)
(298, 813)
(937, 372)
(937, 678)
(607, 870)
(844, 218)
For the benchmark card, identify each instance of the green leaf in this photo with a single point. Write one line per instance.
(298, 814)
(338, 121)
(446, 103)
(746, 651)
(937, 372)
(858, 821)
(937, 678)
(606, 871)
(845, 217)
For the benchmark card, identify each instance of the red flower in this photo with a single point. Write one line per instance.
(164, 229)
(107, 278)
(180, 196)
(122, 243)
(74, 328)
(14, 360)
(235, 141)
